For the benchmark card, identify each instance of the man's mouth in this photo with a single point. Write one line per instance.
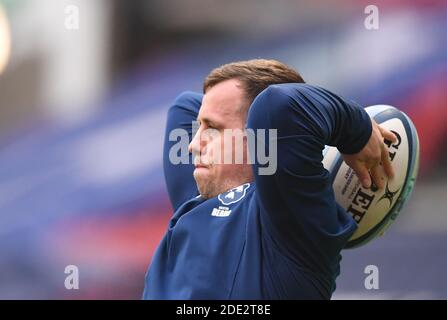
(200, 164)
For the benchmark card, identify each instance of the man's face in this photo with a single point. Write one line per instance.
(219, 138)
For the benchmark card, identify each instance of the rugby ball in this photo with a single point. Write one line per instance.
(375, 210)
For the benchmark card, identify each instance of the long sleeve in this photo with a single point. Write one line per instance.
(179, 177)
(297, 201)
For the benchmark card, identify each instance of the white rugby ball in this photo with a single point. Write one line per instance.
(375, 210)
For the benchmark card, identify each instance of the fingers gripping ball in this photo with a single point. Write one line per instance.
(375, 209)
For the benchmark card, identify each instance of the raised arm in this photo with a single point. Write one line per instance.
(297, 202)
(179, 177)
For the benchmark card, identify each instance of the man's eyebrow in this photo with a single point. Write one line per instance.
(208, 122)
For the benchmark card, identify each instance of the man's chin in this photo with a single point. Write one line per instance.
(204, 193)
(200, 175)
(201, 183)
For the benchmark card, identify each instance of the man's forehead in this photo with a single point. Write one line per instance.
(223, 99)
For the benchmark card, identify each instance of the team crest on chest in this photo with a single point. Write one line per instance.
(234, 195)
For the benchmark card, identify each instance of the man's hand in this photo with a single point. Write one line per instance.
(373, 158)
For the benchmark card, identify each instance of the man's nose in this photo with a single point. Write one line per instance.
(194, 146)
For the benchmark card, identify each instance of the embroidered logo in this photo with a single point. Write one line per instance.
(234, 195)
(221, 212)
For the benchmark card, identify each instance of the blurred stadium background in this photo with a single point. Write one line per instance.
(82, 115)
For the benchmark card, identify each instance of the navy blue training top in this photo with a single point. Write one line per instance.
(278, 237)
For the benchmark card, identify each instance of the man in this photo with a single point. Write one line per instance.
(240, 234)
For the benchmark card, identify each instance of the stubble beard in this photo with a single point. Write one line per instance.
(210, 186)
(207, 186)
